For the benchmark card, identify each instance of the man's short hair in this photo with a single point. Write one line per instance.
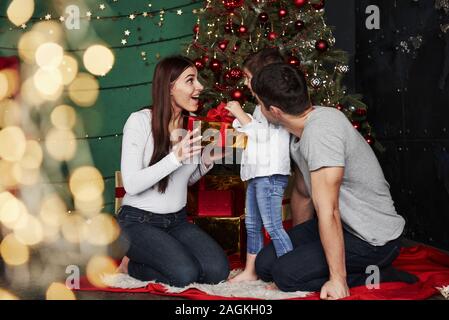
(255, 62)
(283, 86)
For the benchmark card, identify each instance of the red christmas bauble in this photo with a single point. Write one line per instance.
(263, 17)
(339, 106)
(232, 4)
(233, 76)
(294, 61)
(361, 112)
(272, 36)
(369, 139)
(321, 45)
(299, 25)
(205, 59)
(300, 3)
(223, 45)
(215, 65)
(199, 64)
(237, 94)
(282, 13)
(318, 6)
(356, 125)
(243, 30)
(196, 28)
(228, 28)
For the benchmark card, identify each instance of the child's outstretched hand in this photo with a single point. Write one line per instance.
(235, 108)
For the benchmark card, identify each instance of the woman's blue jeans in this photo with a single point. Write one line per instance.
(264, 207)
(168, 249)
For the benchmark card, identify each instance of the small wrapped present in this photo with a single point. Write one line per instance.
(229, 232)
(214, 202)
(232, 183)
(217, 127)
(119, 190)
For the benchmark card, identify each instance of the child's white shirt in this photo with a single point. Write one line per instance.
(268, 147)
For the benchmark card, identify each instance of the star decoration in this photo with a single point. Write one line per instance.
(143, 53)
(132, 16)
(179, 12)
(162, 11)
(47, 16)
(61, 18)
(23, 26)
(88, 14)
(102, 6)
(145, 14)
(124, 41)
(127, 32)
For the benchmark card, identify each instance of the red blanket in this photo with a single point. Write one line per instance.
(430, 265)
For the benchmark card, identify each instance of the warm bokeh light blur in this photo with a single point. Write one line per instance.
(6, 295)
(84, 90)
(59, 291)
(68, 69)
(102, 230)
(86, 183)
(97, 266)
(63, 117)
(12, 143)
(61, 144)
(20, 11)
(49, 55)
(98, 59)
(13, 251)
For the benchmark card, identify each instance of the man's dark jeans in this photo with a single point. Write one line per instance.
(305, 268)
(168, 249)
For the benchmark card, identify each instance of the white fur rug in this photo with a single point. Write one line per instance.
(250, 289)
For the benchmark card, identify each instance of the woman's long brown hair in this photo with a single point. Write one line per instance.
(166, 72)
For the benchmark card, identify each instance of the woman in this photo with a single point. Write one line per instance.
(156, 172)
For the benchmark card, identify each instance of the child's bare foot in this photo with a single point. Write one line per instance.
(123, 267)
(272, 286)
(244, 276)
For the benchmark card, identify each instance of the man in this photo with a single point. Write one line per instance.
(356, 224)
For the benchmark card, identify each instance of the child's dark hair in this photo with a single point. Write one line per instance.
(283, 86)
(255, 62)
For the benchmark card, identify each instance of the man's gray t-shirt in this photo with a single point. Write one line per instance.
(366, 206)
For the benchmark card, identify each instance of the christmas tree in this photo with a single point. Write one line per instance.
(228, 31)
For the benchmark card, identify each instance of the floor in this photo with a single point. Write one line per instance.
(29, 293)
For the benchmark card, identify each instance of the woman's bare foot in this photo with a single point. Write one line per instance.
(272, 286)
(123, 267)
(244, 276)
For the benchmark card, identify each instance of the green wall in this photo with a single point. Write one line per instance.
(127, 87)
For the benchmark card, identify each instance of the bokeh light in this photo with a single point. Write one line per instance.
(102, 230)
(52, 210)
(48, 82)
(49, 55)
(97, 266)
(84, 90)
(13, 251)
(61, 144)
(59, 291)
(98, 59)
(10, 113)
(12, 143)
(33, 156)
(86, 183)
(69, 69)
(20, 11)
(6, 295)
(63, 117)
(73, 228)
(9, 83)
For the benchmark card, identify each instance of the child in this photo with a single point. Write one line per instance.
(266, 167)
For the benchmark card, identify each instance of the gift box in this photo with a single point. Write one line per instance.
(119, 191)
(229, 232)
(217, 127)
